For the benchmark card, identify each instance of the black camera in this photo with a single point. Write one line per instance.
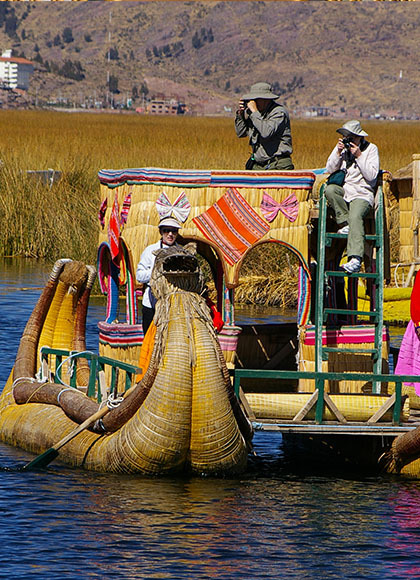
(246, 111)
(347, 142)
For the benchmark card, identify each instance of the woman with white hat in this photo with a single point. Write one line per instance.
(267, 125)
(168, 229)
(356, 162)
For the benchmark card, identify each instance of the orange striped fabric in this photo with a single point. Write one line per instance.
(232, 224)
(146, 351)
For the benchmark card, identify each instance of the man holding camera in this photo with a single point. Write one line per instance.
(356, 162)
(267, 125)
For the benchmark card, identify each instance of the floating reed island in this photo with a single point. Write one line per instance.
(170, 402)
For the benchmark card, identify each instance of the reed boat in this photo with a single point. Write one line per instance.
(183, 397)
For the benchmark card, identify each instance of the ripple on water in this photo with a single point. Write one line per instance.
(278, 520)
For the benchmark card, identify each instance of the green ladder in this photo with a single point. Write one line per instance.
(325, 239)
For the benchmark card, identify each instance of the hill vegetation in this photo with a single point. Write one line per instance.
(350, 57)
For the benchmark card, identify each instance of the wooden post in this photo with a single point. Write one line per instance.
(416, 204)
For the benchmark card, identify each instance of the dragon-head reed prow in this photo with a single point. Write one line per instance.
(176, 268)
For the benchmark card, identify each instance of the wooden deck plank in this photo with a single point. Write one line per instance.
(376, 429)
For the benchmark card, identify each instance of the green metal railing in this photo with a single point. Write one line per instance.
(320, 379)
(96, 365)
(377, 278)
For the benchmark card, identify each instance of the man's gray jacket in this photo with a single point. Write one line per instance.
(269, 132)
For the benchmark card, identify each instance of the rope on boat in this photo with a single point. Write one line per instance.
(72, 355)
(30, 380)
(21, 380)
(62, 391)
(113, 401)
(396, 275)
(40, 374)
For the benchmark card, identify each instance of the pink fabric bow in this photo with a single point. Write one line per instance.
(270, 207)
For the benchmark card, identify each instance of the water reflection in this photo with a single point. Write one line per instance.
(255, 527)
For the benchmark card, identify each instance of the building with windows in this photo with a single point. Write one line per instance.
(15, 72)
(165, 107)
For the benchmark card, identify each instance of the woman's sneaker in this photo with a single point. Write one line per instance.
(343, 230)
(353, 265)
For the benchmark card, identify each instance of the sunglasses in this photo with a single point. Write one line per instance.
(169, 231)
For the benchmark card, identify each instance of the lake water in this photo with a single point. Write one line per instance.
(276, 521)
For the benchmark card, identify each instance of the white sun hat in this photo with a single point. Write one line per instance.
(352, 127)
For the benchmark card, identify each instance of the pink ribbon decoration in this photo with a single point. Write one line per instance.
(180, 209)
(270, 207)
(114, 230)
(125, 209)
(102, 211)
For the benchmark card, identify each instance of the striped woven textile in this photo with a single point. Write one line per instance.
(130, 282)
(232, 224)
(120, 335)
(274, 179)
(345, 335)
(215, 178)
(304, 297)
(228, 338)
(125, 209)
(154, 175)
(108, 276)
(114, 227)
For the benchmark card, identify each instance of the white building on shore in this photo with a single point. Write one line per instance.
(15, 72)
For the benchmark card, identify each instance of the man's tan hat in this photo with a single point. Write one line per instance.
(352, 127)
(260, 91)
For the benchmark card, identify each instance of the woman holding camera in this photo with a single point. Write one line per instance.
(267, 125)
(356, 161)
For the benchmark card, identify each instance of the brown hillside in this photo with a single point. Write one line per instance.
(350, 57)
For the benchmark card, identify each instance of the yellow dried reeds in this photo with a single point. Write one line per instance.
(287, 405)
(62, 221)
(272, 290)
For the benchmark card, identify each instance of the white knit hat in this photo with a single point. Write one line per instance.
(169, 222)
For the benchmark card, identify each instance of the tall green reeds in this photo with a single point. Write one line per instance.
(37, 220)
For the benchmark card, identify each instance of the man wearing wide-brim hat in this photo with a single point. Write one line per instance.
(267, 125)
(356, 162)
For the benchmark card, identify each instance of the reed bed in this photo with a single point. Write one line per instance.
(45, 222)
(269, 276)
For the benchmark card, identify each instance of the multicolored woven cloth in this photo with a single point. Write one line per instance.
(114, 230)
(156, 175)
(125, 209)
(232, 224)
(346, 335)
(202, 178)
(120, 335)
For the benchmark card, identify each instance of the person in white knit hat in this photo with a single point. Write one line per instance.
(357, 162)
(168, 229)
